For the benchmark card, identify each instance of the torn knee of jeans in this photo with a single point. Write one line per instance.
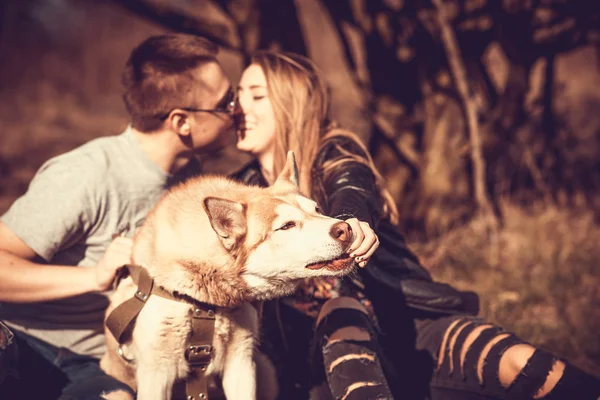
(458, 341)
(499, 372)
(349, 357)
(526, 370)
(354, 372)
(364, 358)
(514, 360)
(354, 333)
(484, 363)
(343, 347)
(507, 365)
(357, 386)
(118, 394)
(554, 377)
(566, 381)
(541, 375)
(449, 341)
(469, 346)
(444, 346)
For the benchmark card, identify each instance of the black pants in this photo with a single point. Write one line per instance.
(451, 380)
(408, 353)
(40, 371)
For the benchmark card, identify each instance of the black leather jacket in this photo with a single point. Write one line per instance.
(394, 272)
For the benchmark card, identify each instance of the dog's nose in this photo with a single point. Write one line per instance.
(341, 231)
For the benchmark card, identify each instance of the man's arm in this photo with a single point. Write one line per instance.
(24, 281)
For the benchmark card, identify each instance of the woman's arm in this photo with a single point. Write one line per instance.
(349, 192)
(348, 186)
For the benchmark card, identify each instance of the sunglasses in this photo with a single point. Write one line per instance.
(225, 106)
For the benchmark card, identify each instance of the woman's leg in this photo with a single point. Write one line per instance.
(352, 366)
(480, 358)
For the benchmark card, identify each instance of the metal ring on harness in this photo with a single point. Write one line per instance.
(123, 356)
(199, 348)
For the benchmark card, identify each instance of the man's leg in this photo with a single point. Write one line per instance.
(36, 376)
(48, 373)
(8, 362)
(87, 381)
(98, 387)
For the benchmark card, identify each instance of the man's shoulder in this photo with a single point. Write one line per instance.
(93, 157)
(97, 150)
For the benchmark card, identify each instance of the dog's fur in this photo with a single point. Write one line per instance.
(226, 244)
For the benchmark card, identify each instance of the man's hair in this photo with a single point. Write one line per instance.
(159, 76)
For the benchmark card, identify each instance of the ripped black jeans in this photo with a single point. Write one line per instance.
(408, 358)
(352, 369)
(465, 354)
(471, 370)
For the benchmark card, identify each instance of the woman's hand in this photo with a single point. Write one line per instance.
(365, 241)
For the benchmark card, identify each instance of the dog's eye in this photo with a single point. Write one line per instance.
(318, 210)
(287, 225)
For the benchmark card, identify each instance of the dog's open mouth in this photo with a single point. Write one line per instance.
(335, 264)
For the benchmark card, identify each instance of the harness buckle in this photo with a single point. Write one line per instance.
(199, 354)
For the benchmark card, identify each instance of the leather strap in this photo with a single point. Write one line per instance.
(123, 315)
(198, 352)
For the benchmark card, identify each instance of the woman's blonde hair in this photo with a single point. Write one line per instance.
(300, 101)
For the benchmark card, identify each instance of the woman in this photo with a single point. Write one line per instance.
(433, 344)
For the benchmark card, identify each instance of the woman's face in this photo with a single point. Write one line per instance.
(256, 120)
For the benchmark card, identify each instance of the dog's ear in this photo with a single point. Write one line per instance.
(289, 174)
(227, 218)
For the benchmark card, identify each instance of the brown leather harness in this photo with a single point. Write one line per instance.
(199, 348)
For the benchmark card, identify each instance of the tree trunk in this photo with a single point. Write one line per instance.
(325, 47)
(470, 109)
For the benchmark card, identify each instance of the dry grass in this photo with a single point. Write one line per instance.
(546, 287)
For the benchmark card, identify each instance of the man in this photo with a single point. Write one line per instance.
(62, 242)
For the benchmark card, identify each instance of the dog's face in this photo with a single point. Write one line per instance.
(281, 236)
(224, 243)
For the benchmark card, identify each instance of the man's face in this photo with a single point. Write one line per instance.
(212, 130)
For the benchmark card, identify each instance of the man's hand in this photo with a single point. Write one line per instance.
(117, 254)
(365, 241)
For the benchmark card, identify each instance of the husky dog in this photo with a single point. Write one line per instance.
(220, 242)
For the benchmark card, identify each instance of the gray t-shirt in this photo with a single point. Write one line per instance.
(73, 206)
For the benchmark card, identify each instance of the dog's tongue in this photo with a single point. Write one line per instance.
(316, 266)
(331, 265)
(340, 264)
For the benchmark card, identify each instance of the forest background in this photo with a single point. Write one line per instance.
(483, 116)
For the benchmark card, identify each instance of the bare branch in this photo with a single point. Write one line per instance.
(470, 108)
(404, 153)
(184, 20)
